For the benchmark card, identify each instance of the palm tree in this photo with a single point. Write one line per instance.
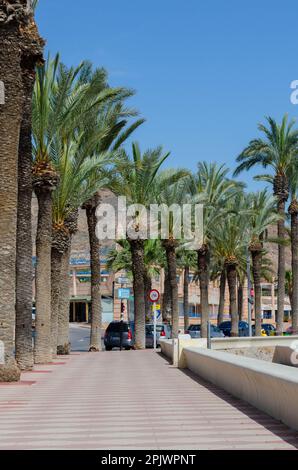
(12, 17)
(112, 119)
(229, 242)
(276, 150)
(76, 168)
(212, 188)
(293, 212)
(62, 102)
(186, 260)
(289, 287)
(32, 56)
(262, 215)
(171, 191)
(134, 178)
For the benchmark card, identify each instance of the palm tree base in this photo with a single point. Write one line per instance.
(63, 350)
(94, 349)
(10, 372)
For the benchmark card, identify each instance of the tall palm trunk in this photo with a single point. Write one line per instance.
(148, 287)
(138, 268)
(32, 54)
(293, 211)
(256, 254)
(222, 291)
(56, 257)
(63, 343)
(170, 247)
(24, 271)
(166, 303)
(240, 299)
(10, 121)
(96, 308)
(186, 297)
(70, 228)
(43, 350)
(281, 290)
(232, 283)
(203, 271)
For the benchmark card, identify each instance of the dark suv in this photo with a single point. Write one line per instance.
(243, 328)
(116, 333)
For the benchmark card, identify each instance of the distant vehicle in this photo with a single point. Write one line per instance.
(267, 328)
(195, 331)
(162, 331)
(226, 326)
(289, 331)
(113, 334)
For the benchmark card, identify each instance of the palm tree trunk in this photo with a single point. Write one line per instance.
(281, 270)
(63, 347)
(203, 271)
(166, 304)
(96, 309)
(148, 287)
(43, 350)
(293, 210)
(138, 268)
(232, 283)
(240, 300)
(256, 269)
(10, 121)
(172, 269)
(222, 291)
(55, 296)
(186, 297)
(64, 247)
(24, 271)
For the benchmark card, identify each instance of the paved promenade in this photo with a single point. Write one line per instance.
(129, 400)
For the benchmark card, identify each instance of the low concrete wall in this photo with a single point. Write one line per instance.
(272, 388)
(254, 342)
(167, 347)
(286, 355)
(173, 348)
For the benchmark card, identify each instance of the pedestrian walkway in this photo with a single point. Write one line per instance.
(129, 400)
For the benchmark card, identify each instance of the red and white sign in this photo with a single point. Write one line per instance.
(154, 295)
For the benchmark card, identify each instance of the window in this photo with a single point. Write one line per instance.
(267, 314)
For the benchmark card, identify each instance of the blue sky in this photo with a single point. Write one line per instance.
(205, 72)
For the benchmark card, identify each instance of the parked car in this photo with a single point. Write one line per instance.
(113, 334)
(195, 331)
(289, 331)
(226, 326)
(267, 328)
(162, 331)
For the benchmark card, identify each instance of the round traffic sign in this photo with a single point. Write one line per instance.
(154, 295)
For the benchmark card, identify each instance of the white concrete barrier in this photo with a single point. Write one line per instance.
(167, 347)
(272, 388)
(287, 355)
(252, 342)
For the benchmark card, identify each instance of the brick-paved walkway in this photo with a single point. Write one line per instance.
(129, 400)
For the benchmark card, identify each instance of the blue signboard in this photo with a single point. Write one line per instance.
(123, 293)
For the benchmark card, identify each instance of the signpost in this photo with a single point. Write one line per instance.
(154, 297)
(124, 293)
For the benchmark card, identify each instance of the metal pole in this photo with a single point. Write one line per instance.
(208, 335)
(154, 325)
(248, 293)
